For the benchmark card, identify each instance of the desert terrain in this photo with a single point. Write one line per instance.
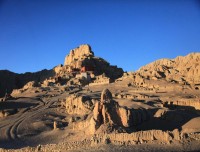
(89, 105)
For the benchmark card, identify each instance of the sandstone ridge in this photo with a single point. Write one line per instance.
(183, 69)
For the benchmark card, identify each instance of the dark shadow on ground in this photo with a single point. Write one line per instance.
(15, 105)
(175, 118)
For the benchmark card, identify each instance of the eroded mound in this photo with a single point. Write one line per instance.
(184, 70)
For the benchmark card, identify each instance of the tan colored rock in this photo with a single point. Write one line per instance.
(1, 114)
(176, 134)
(78, 53)
(107, 114)
(101, 79)
(16, 92)
(58, 69)
(55, 125)
(136, 137)
(78, 105)
(96, 112)
(82, 59)
(194, 102)
(30, 84)
(181, 69)
(192, 125)
(138, 80)
(125, 115)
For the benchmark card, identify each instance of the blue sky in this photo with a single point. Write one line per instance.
(38, 34)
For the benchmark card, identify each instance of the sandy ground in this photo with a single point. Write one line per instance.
(31, 115)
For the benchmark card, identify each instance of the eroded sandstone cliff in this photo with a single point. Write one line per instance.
(183, 69)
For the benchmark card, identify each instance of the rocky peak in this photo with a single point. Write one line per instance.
(82, 59)
(78, 54)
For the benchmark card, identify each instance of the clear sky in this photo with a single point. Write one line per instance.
(38, 34)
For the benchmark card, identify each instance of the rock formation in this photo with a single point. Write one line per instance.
(101, 79)
(105, 111)
(105, 115)
(184, 70)
(30, 84)
(108, 113)
(80, 105)
(195, 103)
(82, 59)
(78, 54)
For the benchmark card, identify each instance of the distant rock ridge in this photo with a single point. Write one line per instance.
(183, 69)
(10, 80)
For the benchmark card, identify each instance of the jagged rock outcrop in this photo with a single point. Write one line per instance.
(184, 70)
(82, 59)
(30, 84)
(80, 105)
(78, 54)
(105, 111)
(105, 115)
(108, 113)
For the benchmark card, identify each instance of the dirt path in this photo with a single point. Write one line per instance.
(9, 127)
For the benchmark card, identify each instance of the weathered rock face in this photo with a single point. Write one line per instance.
(78, 54)
(105, 115)
(83, 57)
(80, 105)
(181, 69)
(30, 84)
(194, 102)
(107, 112)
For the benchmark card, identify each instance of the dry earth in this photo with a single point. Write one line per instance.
(31, 123)
(142, 111)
